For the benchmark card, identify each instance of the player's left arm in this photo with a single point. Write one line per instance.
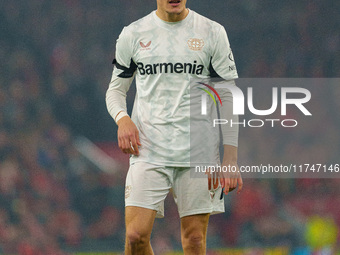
(231, 178)
(223, 65)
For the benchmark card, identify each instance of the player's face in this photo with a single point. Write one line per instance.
(171, 10)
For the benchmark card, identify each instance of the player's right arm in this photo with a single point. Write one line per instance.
(122, 77)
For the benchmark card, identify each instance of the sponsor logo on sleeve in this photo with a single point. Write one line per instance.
(230, 56)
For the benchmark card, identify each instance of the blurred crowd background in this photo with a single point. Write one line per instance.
(56, 65)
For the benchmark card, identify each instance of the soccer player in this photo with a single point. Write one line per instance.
(164, 51)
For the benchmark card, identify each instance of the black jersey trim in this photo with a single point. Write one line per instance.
(127, 71)
(212, 71)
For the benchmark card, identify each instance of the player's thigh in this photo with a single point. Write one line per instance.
(139, 221)
(192, 194)
(194, 225)
(147, 186)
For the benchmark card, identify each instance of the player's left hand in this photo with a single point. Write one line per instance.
(230, 179)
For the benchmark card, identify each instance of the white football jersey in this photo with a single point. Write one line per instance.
(164, 57)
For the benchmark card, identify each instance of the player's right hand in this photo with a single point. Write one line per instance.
(128, 136)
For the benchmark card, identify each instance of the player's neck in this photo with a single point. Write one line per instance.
(172, 17)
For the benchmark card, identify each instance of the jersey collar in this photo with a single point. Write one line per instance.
(172, 25)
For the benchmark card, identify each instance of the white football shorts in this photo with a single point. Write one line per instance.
(147, 186)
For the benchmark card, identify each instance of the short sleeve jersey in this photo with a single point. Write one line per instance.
(164, 57)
